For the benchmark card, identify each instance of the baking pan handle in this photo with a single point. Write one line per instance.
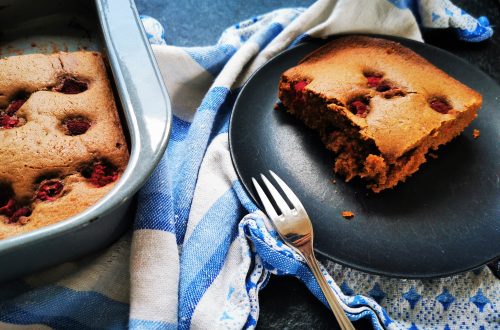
(138, 79)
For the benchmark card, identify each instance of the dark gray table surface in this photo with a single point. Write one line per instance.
(285, 302)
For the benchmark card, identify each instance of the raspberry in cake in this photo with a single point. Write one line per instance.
(378, 106)
(57, 115)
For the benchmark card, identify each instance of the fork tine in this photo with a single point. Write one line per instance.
(288, 192)
(282, 205)
(263, 198)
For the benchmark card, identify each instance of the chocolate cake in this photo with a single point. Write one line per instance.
(378, 106)
(62, 147)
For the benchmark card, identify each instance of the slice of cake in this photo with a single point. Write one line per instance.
(62, 147)
(378, 106)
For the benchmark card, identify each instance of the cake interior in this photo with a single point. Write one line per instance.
(356, 154)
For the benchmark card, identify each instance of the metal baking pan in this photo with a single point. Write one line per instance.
(112, 27)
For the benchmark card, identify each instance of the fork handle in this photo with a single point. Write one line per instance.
(338, 311)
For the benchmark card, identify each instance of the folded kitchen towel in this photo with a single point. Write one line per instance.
(201, 250)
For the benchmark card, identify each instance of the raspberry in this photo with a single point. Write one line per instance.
(100, 173)
(49, 190)
(299, 97)
(7, 121)
(21, 212)
(76, 126)
(299, 86)
(440, 106)
(71, 86)
(14, 106)
(373, 81)
(359, 108)
(103, 174)
(8, 207)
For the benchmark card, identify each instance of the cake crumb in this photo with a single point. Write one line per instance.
(347, 214)
(476, 133)
(433, 155)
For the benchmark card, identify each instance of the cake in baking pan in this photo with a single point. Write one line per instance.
(62, 147)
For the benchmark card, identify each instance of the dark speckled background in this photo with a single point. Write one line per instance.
(285, 302)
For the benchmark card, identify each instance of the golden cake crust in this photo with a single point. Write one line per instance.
(41, 147)
(336, 72)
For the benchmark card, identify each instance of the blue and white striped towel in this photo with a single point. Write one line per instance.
(200, 250)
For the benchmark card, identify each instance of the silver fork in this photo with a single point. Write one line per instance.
(295, 228)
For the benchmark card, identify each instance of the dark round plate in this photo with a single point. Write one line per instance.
(443, 220)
